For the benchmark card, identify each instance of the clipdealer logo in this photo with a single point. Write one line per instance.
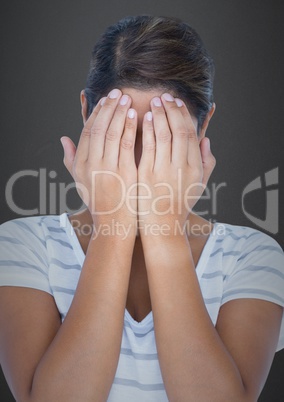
(54, 195)
(271, 221)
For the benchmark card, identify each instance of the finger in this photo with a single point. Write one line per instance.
(179, 130)
(127, 141)
(115, 131)
(193, 150)
(101, 125)
(208, 160)
(163, 134)
(147, 160)
(84, 141)
(69, 152)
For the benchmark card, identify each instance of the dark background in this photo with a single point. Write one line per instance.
(45, 53)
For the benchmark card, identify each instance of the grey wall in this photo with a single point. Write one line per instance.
(45, 54)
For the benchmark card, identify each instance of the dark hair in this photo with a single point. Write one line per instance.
(146, 52)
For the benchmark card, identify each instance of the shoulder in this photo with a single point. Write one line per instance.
(252, 264)
(243, 239)
(31, 228)
(30, 236)
(27, 246)
(22, 231)
(248, 256)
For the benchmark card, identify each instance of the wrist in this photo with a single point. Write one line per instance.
(121, 246)
(165, 251)
(113, 228)
(162, 234)
(167, 227)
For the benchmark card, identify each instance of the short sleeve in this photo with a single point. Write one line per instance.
(258, 273)
(23, 255)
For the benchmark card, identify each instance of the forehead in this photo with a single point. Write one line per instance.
(141, 98)
(141, 101)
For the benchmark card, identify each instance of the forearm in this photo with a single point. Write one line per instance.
(80, 363)
(194, 362)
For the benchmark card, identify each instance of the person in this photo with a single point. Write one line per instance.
(136, 297)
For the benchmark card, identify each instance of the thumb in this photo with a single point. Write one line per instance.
(208, 160)
(69, 153)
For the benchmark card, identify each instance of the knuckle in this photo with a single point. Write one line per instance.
(126, 144)
(96, 130)
(111, 135)
(129, 125)
(109, 104)
(149, 146)
(164, 136)
(160, 111)
(192, 135)
(86, 132)
(149, 128)
(172, 105)
(182, 133)
(120, 111)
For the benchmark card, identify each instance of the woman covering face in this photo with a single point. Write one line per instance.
(136, 297)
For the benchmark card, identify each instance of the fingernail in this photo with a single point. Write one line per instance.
(149, 116)
(157, 102)
(62, 141)
(131, 113)
(179, 102)
(124, 100)
(168, 97)
(114, 94)
(103, 101)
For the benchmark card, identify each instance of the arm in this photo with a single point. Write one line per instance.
(198, 361)
(43, 360)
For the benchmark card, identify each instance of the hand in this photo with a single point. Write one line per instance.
(103, 166)
(174, 168)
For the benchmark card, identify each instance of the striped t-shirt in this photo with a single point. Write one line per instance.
(44, 253)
